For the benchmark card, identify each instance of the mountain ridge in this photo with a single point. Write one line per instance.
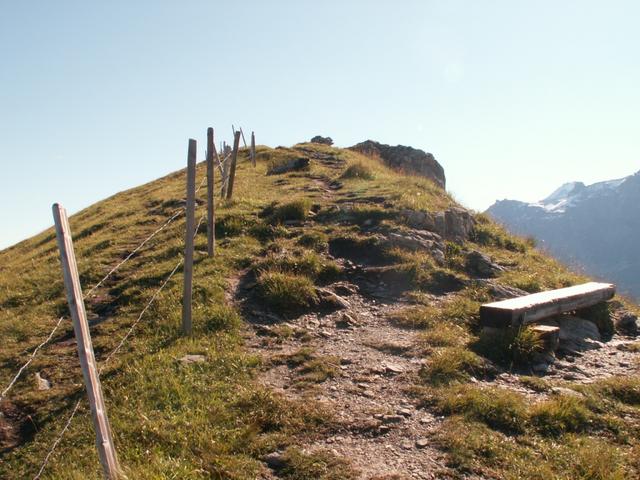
(591, 227)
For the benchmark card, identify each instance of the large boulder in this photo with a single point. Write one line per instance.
(409, 159)
(455, 223)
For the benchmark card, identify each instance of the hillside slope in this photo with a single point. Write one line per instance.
(592, 227)
(338, 328)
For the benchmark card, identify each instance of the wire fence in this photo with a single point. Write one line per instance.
(130, 330)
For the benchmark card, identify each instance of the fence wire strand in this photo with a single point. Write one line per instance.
(64, 430)
(89, 292)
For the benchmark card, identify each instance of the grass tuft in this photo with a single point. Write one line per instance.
(286, 292)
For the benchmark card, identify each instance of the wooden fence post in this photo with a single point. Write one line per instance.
(211, 205)
(189, 240)
(243, 140)
(234, 161)
(104, 440)
(253, 149)
(225, 176)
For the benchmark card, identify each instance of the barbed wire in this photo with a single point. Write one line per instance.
(112, 354)
(89, 292)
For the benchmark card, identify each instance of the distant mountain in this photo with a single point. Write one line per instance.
(594, 227)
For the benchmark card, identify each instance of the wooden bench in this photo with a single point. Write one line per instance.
(537, 306)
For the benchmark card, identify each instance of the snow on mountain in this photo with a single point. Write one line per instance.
(592, 227)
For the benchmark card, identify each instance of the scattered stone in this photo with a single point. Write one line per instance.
(406, 444)
(392, 418)
(345, 288)
(189, 359)
(346, 321)
(393, 368)
(331, 299)
(42, 383)
(382, 429)
(405, 412)
(565, 391)
(422, 443)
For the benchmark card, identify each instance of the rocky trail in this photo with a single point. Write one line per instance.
(381, 430)
(360, 366)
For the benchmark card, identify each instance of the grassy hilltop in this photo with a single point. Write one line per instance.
(282, 237)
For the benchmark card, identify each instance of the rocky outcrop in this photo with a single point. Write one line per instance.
(322, 140)
(405, 158)
(454, 223)
(300, 163)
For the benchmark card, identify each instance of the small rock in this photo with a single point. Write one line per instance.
(393, 368)
(406, 444)
(42, 383)
(382, 429)
(189, 359)
(565, 391)
(405, 412)
(392, 418)
(330, 298)
(274, 460)
(625, 322)
(422, 443)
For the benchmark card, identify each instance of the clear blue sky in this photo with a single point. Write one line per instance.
(512, 97)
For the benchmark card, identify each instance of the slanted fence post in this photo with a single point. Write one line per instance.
(211, 205)
(253, 149)
(243, 140)
(104, 439)
(189, 239)
(226, 165)
(232, 168)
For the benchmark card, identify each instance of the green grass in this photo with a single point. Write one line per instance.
(358, 170)
(450, 365)
(286, 292)
(321, 465)
(295, 210)
(213, 419)
(498, 408)
(305, 262)
(560, 415)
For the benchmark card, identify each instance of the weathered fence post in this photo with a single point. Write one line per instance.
(253, 149)
(243, 140)
(225, 175)
(234, 161)
(189, 239)
(211, 205)
(104, 440)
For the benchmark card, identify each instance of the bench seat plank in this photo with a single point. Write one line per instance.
(537, 306)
